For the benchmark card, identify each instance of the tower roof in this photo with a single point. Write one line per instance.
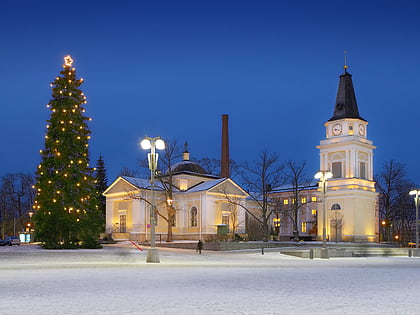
(345, 104)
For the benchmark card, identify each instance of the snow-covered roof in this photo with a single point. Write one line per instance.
(206, 185)
(141, 183)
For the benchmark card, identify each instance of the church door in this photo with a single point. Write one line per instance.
(336, 227)
(123, 223)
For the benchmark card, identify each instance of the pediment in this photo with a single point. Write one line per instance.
(228, 187)
(119, 186)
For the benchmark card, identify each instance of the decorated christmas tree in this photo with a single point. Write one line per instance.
(67, 204)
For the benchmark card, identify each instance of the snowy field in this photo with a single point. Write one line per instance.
(116, 280)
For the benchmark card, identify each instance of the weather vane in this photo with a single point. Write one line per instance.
(345, 60)
(68, 61)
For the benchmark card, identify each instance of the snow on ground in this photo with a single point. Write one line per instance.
(116, 280)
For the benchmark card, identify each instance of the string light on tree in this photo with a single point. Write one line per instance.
(62, 182)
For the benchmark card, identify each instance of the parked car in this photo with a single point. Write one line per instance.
(2, 242)
(12, 240)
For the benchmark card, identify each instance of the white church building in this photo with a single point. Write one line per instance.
(204, 205)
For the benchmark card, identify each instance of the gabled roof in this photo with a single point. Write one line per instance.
(221, 185)
(127, 183)
(206, 185)
(345, 104)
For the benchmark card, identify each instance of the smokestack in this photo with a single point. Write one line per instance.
(224, 163)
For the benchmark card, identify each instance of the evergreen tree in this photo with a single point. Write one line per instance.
(101, 186)
(67, 203)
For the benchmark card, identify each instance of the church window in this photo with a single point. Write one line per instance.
(363, 170)
(336, 206)
(225, 219)
(336, 169)
(194, 217)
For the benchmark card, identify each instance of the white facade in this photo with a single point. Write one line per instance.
(202, 203)
(351, 199)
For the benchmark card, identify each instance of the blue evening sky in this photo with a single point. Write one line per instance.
(172, 68)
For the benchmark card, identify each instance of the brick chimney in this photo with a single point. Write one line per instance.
(224, 163)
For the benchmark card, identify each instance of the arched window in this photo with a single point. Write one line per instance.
(194, 216)
(336, 206)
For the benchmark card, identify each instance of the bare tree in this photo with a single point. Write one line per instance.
(210, 165)
(16, 200)
(296, 181)
(172, 153)
(164, 175)
(396, 208)
(125, 171)
(259, 178)
(336, 221)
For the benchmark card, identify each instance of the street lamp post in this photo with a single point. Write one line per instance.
(152, 157)
(416, 193)
(323, 176)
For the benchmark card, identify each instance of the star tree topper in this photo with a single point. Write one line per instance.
(68, 61)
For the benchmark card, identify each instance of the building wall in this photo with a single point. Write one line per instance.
(137, 215)
(307, 218)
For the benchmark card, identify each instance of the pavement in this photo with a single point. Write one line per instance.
(117, 280)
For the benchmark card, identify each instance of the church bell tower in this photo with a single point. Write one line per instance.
(348, 153)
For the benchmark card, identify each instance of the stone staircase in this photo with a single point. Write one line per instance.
(117, 236)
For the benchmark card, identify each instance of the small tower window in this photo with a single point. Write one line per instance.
(362, 170)
(336, 169)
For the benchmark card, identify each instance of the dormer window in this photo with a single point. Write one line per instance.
(183, 184)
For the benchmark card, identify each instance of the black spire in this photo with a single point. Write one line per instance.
(345, 104)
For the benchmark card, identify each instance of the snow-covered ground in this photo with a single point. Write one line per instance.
(116, 280)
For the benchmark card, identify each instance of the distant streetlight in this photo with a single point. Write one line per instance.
(152, 144)
(15, 221)
(323, 176)
(416, 193)
(383, 222)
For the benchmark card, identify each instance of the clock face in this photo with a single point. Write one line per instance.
(337, 129)
(362, 130)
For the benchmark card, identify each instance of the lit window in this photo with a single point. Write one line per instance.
(303, 200)
(183, 184)
(303, 227)
(293, 201)
(286, 201)
(313, 199)
(313, 211)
